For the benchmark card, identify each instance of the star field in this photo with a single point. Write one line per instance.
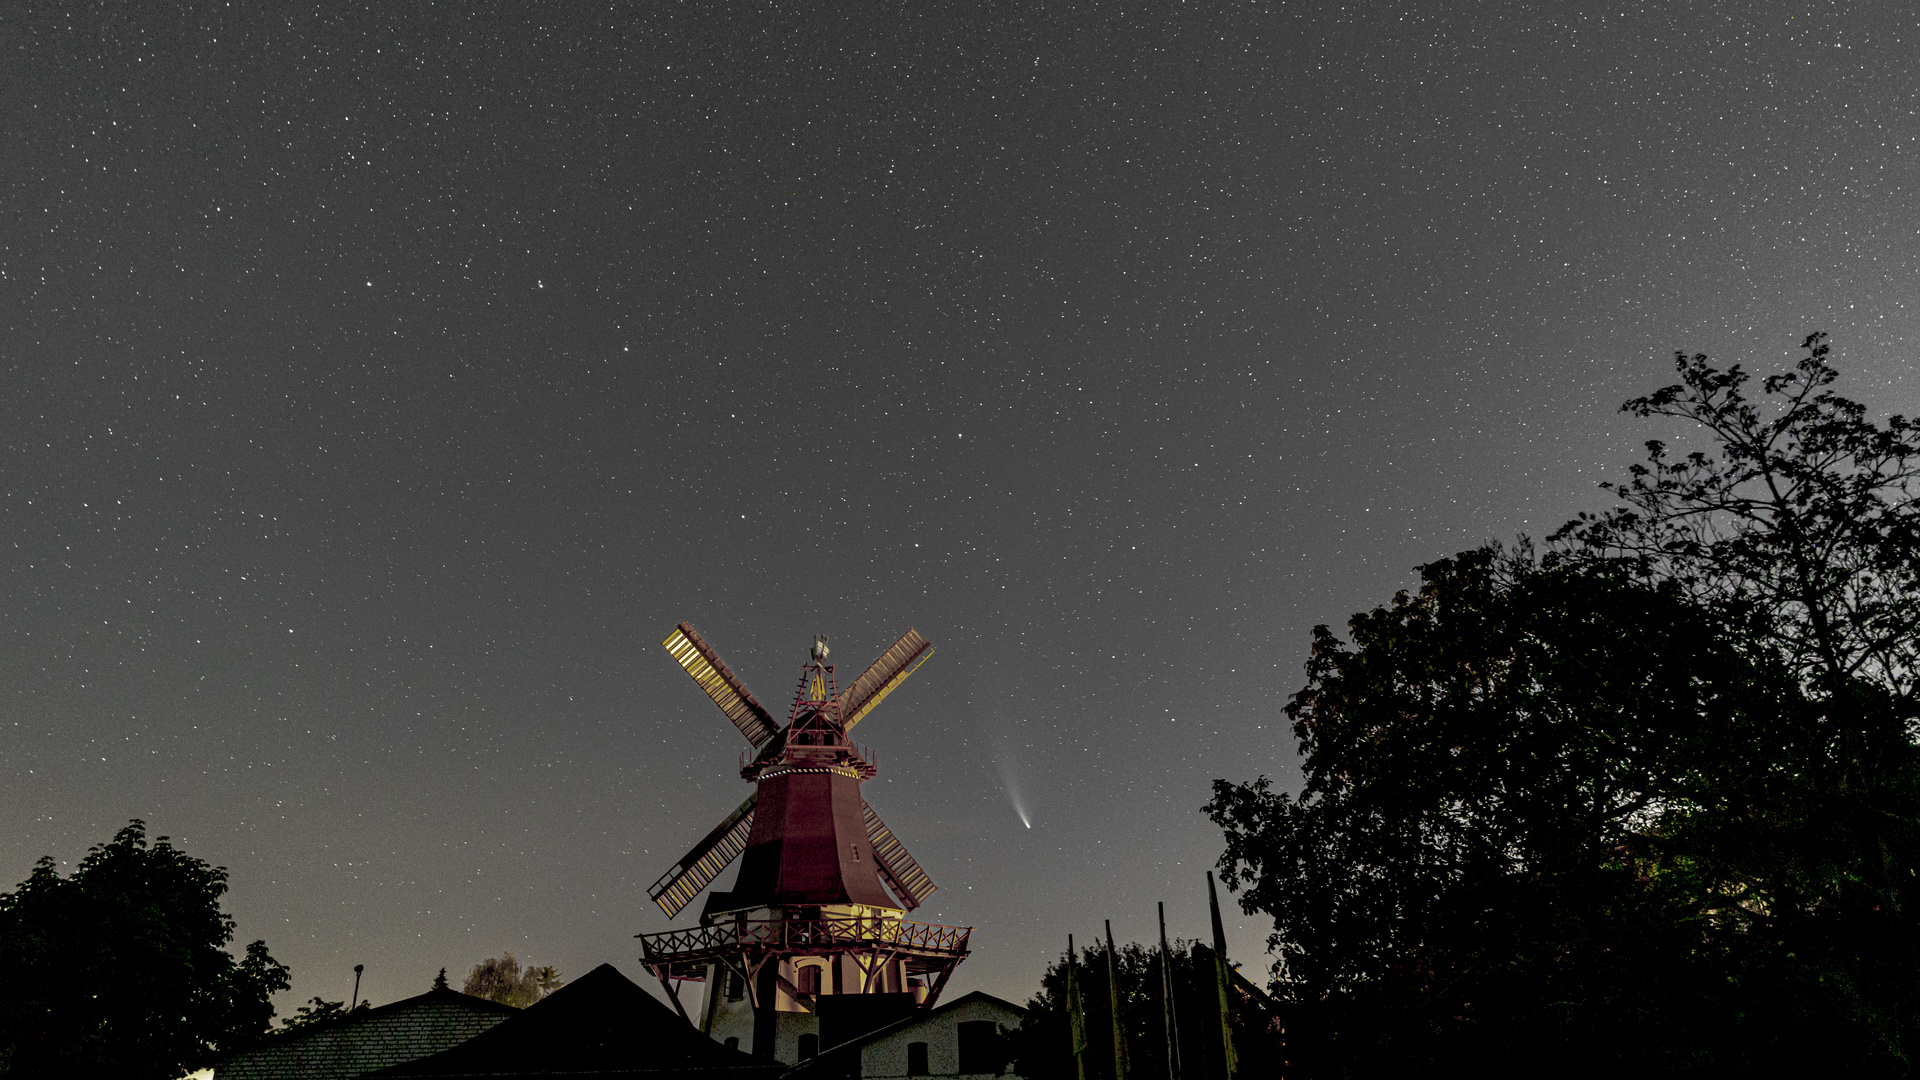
(380, 387)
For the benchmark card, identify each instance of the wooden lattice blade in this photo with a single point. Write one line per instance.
(903, 876)
(701, 865)
(883, 677)
(721, 684)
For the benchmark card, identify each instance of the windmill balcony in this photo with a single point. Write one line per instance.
(799, 752)
(686, 954)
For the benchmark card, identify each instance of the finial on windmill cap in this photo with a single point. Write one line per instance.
(820, 648)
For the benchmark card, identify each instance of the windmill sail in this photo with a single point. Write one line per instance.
(878, 681)
(704, 863)
(721, 684)
(909, 883)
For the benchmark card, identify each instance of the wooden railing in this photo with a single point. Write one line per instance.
(804, 935)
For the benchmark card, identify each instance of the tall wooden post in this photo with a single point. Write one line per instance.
(1113, 1008)
(1076, 1016)
(1228, 1059)
(1169, 1015)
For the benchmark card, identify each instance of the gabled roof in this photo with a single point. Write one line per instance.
(944, 1008)
(368, 1039)
(600, 1023)
(977, 995)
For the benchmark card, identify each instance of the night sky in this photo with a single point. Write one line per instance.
(381, 387)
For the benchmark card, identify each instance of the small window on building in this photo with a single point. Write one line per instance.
(916, 1059)
(810, 979)
(736, 986)
(980, 1047)
(809, 1047)
(733, 1042)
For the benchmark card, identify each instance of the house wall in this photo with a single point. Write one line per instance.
(734, 1019)
(885, 1057)
(737, 1023)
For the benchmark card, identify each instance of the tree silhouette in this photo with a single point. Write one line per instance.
(1651, 802)
(502, 979)
(1040, 1048)
(122, 969)
(1799, 522)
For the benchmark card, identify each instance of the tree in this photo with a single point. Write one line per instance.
(1490, 854)
(317, 1011)
(1799, 527)
(122, 968)
(1650, 802)
(1040, 1049)
(1799, 523)
(502, 979)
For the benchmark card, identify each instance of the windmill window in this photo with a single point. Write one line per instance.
(916, 1059)
(733, 1042)
(809, 1047)
(980, 1047)
(736, 986)
(810, 979)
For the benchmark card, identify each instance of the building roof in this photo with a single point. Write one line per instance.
(944, 1008)
(600, 1023)
(837, 1061)
(368, 1039)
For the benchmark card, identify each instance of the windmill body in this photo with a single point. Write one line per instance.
(812, 943)
(806, 845)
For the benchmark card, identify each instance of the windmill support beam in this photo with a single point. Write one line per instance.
(673, 995)
(939, 984)
(755, 992)
(874, 971)
(804, 1000)
(729, 966)
(710, 1001)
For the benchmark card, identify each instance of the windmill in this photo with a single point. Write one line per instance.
(812, 940)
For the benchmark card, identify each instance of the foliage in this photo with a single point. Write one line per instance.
(317, 1011)
(1800, 523)
(502, 979)
(122, 969)
(1652, 802)
(1041, 1047)
(1494, 771)
(321, 1011)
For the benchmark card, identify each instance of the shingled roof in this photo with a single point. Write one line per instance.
(369, 1039)
(600, 1023)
